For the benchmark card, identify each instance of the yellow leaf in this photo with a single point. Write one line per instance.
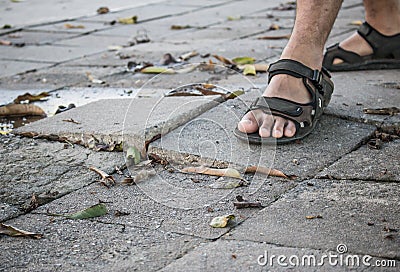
(221, 221)
(128, 20)
(226, 172)
(357, 23)
(70, 26)
(249, 69)
(157, 70)
(243, 60)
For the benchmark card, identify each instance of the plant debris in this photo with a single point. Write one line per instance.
(227, 172)
(313, 216)
(21, 110)
(31, 97)
(227, 184)
(106, 179)
(180, 27)
(243, 60)
(14, 232)
(62, 108)
(268, 171)
(93, 211)
(71, 26)
(356, 23)
(221, 221)
(128, 20)
(93, 79)
(286, 6)
(70, 120)
(249, 69)
(103, 10)
(382, 111)
(132, 155)
(119, 213)
(279, 37)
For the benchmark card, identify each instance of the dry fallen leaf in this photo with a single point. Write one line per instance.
(313, 216)
(260, 67)
(249, 69)
(188, 55)
(274, 27)
(128, 20)
(103, 10)
(71, 26)
(243, 60)
(221, 221)
(5, 42)
(246, 204)
(106, 179)
(227, 172)
(93, 79)
(382, 111)
(157, 70)
(21, 110)
(31, 97)
(179, 27)
(279, 37)
(227, 184)
(224, 60)
(266, 171)
(14, 232)
(357, 23)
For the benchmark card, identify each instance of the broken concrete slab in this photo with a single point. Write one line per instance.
(255, 256)
(73, 245)
(47, 169)
(355, 91)
(343, 211)
(117, 121)
(368, 164)
(209, 139)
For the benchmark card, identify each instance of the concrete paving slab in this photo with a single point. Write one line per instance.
(48, 53)
(51, 79)
(100, 60)
(210, 138)
(90, 245)
(172, 202)
(62, 27)
(143, 13)
(145, 118)
(245, 256)
(94, 41)
(9, 68)
(355, 91)
(368, 164)
(37, 37)
(349, 210)
(48, 170)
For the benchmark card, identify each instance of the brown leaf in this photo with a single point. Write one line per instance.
(224, 60)
(274, 27)
(167, 59)
(267, 171)
(70, 120)
(313, 216)
(21, 110)
(119, 213)
(106, 179)
(227, 172)
(103, 10)
(260, 67)
(246, 204)
(180, 27)
(382, 111)
(14, 232)
(31, 97)
(279, 37)
(71, 26)
(128, 180)
(188, 55)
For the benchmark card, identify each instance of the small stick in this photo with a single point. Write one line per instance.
(106, 179)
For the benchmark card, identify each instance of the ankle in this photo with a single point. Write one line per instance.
(386, 27)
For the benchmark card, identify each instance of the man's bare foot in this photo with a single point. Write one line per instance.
(283, 86)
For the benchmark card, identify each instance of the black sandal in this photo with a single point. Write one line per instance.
(386, 53)
(305, 116)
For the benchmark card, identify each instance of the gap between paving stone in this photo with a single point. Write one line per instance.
(208, 139)
(117, 121)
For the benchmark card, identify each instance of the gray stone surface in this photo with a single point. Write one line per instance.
(9, 68)
(355, 91)
(210, 138)
(243, 256)
(48, 170)
(358, 214)
(131, 121)
(37, 37)
(368, 164)
(172, 202)
(89, 245)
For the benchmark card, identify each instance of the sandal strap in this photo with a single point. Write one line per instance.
(335, 51)
(370, 35)
(296, 69)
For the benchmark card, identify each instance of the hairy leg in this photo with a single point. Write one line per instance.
(314, 21)
(384, 16)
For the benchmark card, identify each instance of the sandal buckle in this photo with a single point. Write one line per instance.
(317, 79)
